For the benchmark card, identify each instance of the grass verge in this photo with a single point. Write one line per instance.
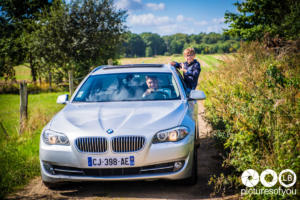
(19, 153)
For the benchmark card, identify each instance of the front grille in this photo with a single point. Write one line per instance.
(127, 143)
(91, 144)
(107, 172)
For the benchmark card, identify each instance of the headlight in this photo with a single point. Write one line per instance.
(171, 135)
(52, 137)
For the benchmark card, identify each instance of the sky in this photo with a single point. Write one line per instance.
(167, 17)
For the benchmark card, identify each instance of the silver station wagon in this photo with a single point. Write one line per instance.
(130, 122)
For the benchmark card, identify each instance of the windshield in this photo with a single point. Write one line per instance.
(128, 87)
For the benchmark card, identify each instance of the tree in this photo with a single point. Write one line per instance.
(18, 20)
(176, 46)
(211, 38)
(149, 51)
(176, 42)
(82, 34)
(258, 17)
(154, 41)
(134, 45)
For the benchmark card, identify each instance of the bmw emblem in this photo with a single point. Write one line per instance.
(109, 131)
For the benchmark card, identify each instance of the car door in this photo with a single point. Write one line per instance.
(192, 107)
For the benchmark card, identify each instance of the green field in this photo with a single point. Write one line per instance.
(38, 104)
(208, 62)
(19, 153)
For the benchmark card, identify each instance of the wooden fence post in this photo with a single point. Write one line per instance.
(50, 80)
(23, 105)
(71, 83)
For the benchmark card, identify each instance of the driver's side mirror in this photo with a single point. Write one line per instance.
(62, 99)
(197, 95)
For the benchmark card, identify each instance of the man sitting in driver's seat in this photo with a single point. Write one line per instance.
(153, 91)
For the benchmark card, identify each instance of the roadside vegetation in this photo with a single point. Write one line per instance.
(19, 153)
(254, 106)
(254, 99)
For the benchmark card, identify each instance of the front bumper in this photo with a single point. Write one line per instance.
(154, 161)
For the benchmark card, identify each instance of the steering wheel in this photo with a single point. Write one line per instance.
(156, 95)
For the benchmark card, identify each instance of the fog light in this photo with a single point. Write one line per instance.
(177, 166)
(49, 168)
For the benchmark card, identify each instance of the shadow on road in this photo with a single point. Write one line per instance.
(153, 189)
(208, 165)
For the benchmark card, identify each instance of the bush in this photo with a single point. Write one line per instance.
(167, 54)
(254, 103)
(10, 88)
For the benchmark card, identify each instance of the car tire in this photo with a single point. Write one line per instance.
(192, 180)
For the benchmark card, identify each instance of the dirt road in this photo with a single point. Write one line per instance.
(209, 163)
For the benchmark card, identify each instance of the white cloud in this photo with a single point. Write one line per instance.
(218, 20)
(148, 20)
(170, 29)
(180, 18)
(217, 25)
(214, 28)
(133, 5)
(166, 25)
(201, 23)
(154, 6)
(184, 20)
(130, 4)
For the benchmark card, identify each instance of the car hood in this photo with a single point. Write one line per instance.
(119, 116)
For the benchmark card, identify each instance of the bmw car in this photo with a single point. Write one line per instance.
(129, 122)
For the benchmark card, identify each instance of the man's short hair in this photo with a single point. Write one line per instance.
(189, 51)
(151, 77)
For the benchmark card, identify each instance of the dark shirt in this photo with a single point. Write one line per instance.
(192, 74)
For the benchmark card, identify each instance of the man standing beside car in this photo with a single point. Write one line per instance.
(191, 69)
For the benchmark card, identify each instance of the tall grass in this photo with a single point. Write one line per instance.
(254, 104)
(19, 153)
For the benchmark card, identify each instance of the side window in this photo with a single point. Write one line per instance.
(183, 83)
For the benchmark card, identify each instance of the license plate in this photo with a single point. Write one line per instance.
(110, 162)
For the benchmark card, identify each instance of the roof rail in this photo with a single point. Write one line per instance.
(97, 68)
(132, 66)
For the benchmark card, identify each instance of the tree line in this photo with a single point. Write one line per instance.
(59, 39)
(56, 38)
(150, 44)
